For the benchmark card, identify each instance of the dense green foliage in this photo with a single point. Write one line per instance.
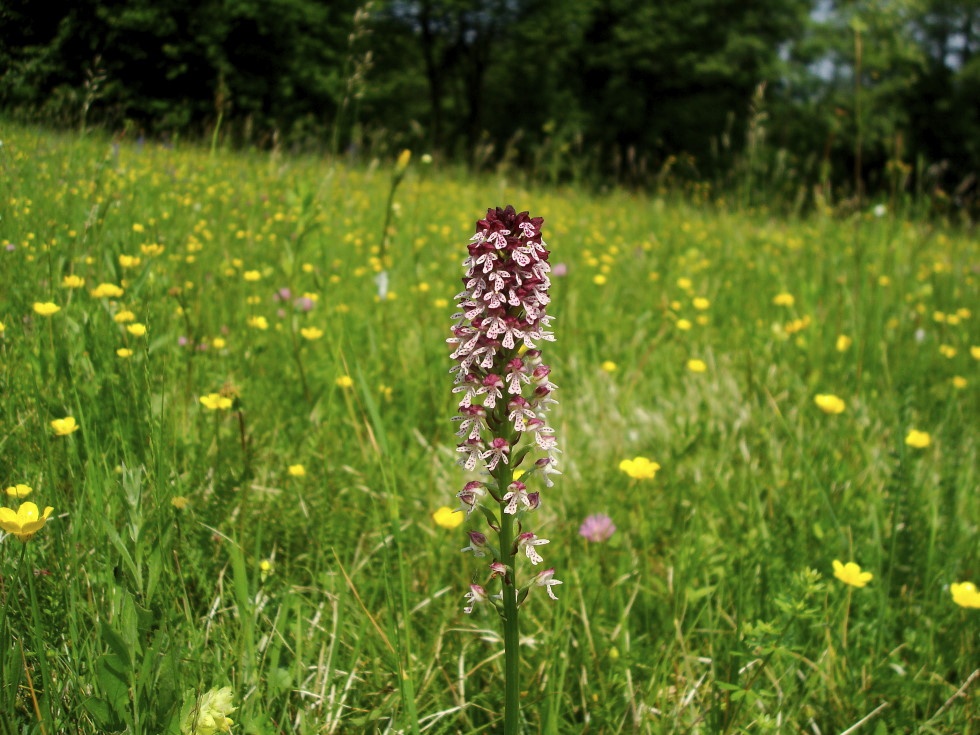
(186, 552)
(839, 94)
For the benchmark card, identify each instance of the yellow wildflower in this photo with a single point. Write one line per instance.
(609, 366)
(259, 322)
(251, 275)
(696, 366)
(784, 299)
(65, 426)
(829, 403)
(124, 352)
(701, 303)
(297, 470)
(599, 280)
(179, 502)
(46, 308)
(137, 329)
(19, 491)
(445, 517)
(311, 333)
(965, 594)
(843, 343)
(151, 249)
(25, 522)
(218, 343)
(402, 163)
(106, 291)
(851, 574)
(72, 281)
(345, 381)
(215, 401)
(639, 468)
(947, 351)
(129, 261)
(683, 324)
(208, 713)
(124, 316)
(975, 352)
(959, 382)
(918, 439)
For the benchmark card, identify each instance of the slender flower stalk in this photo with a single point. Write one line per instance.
(505, 393)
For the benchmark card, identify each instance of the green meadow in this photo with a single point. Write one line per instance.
(281, 537)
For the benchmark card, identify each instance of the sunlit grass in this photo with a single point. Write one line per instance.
(235, 333)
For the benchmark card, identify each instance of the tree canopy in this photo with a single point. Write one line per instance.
(854, 92)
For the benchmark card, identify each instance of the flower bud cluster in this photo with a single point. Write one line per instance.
(504, 387)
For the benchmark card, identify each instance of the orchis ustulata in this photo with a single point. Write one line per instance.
(506, 392)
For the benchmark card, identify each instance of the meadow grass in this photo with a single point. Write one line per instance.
(326, 596)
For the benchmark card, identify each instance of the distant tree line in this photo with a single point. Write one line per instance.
(850, 94)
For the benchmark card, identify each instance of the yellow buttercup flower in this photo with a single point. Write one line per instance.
(599, 280)
(784, 299)
(215, 401)
(297, 470)
(25, 522)
(107, 291)
(851, 574)
(151, 249)
(701, 303)
(65, 426)
(696, 366)
(124, 316)
(311, 333)
(639, 468)
(124, 352)
(445, 517)
(843, 343)
(829, 403)
(918, 439)
(129, 261)
(259, 322)
(345, 381)
(137, 329)
(46, 308)
(609, 366)
(72, 281)
(252, 275)
(19, 491)
(218, 343)
(965, 594)
(683, 324)
(975, 352)
(959, 382)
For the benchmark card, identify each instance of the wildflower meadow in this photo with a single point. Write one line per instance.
(713, 469)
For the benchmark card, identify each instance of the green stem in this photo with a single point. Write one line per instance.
(47, 683)
(512, 638)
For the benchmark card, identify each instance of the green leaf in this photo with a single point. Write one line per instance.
(114, 682)
(117, 644)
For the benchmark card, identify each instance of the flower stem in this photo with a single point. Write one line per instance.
(512, 638)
